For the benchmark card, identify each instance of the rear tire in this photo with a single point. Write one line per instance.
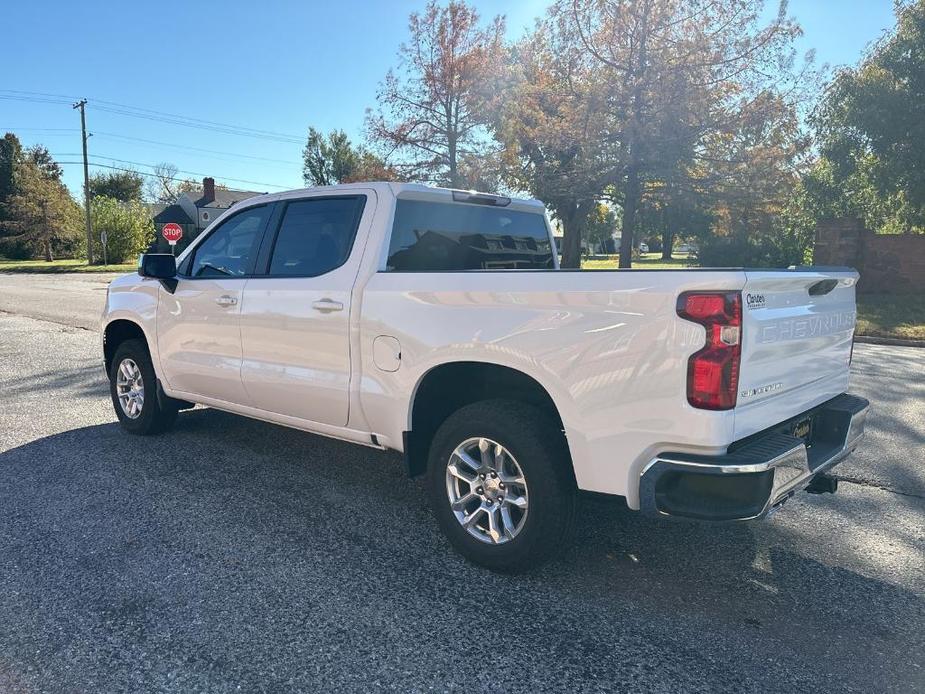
(504, 527)
(133, 388)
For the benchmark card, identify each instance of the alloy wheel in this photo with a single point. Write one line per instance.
(487, 490)
(130, 388)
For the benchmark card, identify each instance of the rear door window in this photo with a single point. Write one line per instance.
(315, 236)
(453, 237)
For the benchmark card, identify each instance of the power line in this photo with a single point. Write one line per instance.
(194, 149)
(38, 100)
(154, 166)
(68, 97)
(61, 132)
(230, 130)
(143, 173)
(134, 171)
(153, 112)
(160, 116)
(190, 173)
(26, 95)
(12, 129)
(156, 116)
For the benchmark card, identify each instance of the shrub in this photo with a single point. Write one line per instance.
(128, 226)
(780, 249)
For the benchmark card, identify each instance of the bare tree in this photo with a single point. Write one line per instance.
(165, 186)
(431, 114)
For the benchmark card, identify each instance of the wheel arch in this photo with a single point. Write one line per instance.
(118, 331)
(446, 387)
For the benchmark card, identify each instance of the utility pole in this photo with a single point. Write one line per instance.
(83, 132)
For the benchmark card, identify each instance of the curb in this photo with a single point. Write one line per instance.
(891, 341)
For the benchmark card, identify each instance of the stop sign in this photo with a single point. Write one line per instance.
(172, 232)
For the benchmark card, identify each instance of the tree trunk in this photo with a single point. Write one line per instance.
(571, 238)
(632, 191)
(451, 154)
(630, 204)
(667, 239)
(48, 256)
(454, 170)
(574, 220)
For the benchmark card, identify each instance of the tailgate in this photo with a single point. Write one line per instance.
(797, 328)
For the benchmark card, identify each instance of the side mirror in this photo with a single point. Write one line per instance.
(159, 266)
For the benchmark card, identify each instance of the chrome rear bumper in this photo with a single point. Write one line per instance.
(757, 474)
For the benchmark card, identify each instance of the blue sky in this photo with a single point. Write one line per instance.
(272, 66)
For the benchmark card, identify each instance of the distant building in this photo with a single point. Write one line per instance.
(196, 211)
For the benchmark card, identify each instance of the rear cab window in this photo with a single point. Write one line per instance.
(430, 236)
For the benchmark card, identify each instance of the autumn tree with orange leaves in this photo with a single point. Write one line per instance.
(617, 97)
(431, 113)
(659, 107)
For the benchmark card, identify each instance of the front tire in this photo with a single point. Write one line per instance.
(133, 388)
(501, 486)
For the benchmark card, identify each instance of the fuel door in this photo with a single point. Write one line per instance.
(386, 353)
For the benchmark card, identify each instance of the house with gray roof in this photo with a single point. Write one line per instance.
(195, 211)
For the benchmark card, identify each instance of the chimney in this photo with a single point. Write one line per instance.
(208, 189)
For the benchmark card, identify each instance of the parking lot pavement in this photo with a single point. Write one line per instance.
(230, 554)
(893, 379)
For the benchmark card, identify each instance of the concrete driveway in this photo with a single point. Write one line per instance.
(234, 555)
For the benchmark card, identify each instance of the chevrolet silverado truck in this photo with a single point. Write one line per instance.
(437, 323)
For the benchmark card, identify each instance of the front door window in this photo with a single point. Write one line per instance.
(230, 250)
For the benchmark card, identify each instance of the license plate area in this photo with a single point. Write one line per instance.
(803, 429)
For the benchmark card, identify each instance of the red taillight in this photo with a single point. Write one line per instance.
(713, 372)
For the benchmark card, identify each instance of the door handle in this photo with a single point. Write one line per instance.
(226, 300)
(327, 306)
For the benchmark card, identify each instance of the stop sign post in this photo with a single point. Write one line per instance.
(172, 232)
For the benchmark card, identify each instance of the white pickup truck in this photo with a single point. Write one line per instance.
(437, 323)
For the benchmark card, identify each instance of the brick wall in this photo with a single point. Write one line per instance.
(893, 263)
(888, 263)
(838, 242)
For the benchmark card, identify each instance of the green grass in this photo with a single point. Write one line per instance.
(646, 261)
(62, 265)
(892, 315)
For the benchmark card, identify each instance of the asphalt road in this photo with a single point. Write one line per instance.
(74, 299)
(232, 555)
